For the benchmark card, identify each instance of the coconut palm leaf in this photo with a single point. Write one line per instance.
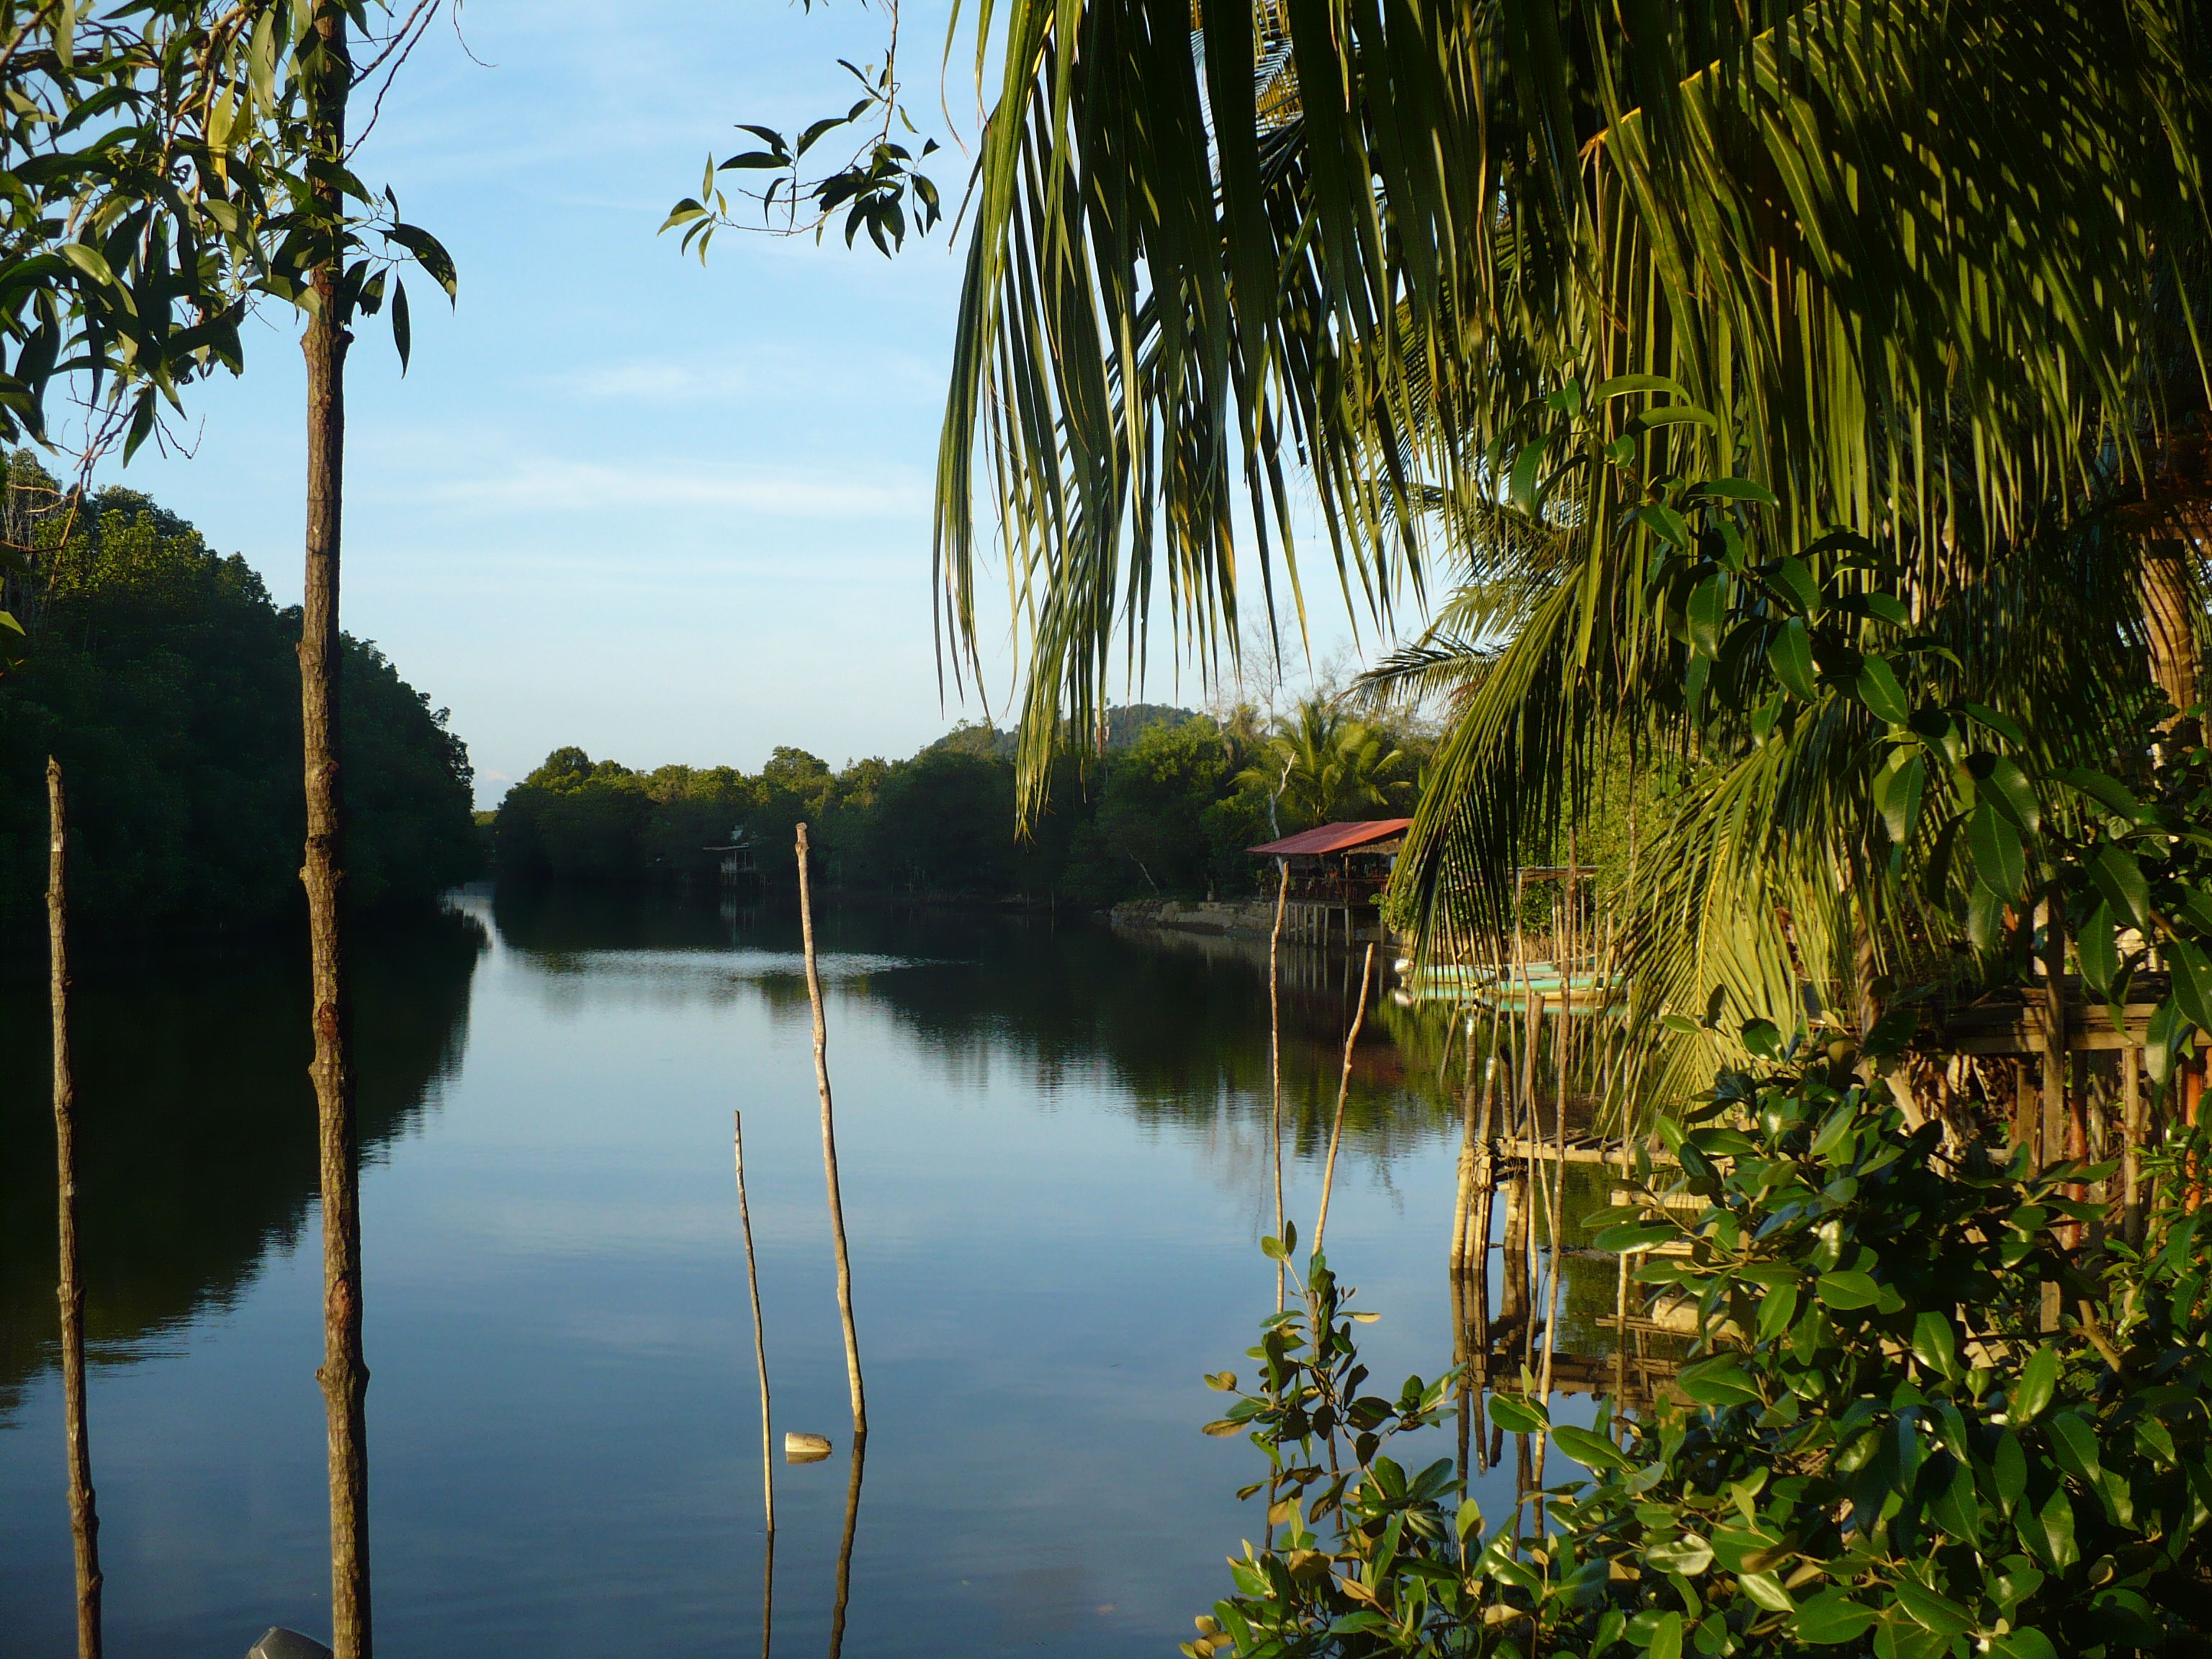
(1904, 252)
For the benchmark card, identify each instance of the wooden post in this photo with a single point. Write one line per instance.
(829, 1154)
(84, 1513)
(2054, 1077)
(1463, 1199)
(1275, 1068)
(760, 1338)
(1343, 1094)
(326, 71)
(2132, 1139)
(1477, 1248)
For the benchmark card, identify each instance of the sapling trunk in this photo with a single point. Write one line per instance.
(829, 1156)
(84, 1513)
(344, 1376)
(760, 1337)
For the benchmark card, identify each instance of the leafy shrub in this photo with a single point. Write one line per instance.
(1881, 1450)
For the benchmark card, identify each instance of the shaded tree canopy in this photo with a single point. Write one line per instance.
(1167, 810)
(164, 678)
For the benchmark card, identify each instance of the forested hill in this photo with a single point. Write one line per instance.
(1168, 808)
(166, 682)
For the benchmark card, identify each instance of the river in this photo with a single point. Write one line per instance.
(1056, 1167)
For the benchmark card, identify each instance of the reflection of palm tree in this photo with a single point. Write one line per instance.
(1323, 766)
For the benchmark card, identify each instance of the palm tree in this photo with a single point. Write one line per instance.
(1934, 273)
(1322, 767)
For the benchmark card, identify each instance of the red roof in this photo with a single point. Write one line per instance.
(1335, 838)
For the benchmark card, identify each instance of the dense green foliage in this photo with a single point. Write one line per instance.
(1168, 808)
(1889, 1448)
(166, 682)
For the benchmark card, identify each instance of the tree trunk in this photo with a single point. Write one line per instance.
(343, 1375)
(84, 1515)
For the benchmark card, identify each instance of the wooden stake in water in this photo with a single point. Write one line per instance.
(84, 1516)
(829, 1149)
(760, 1341)
(1275, 1068)
(1343, 1094)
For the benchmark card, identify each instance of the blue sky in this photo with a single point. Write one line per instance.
(667, 513)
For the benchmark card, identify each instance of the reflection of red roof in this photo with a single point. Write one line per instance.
(1334, 838)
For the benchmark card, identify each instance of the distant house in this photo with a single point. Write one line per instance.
(1338, 869)
(737, 858)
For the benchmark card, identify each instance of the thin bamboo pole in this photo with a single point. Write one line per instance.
(829, 1151)
(760, 1338)
(1343, 1094)
(1275, 1070)
(84, 1513)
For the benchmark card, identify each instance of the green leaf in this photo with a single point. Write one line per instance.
(1933, 1612)
(1831, 1618)
(1522, 481)
(1984, 917)
(1790, 576)
(2003, 725)
(1847, 1289)
(1878, 688)
(1898, 794)
(403, 327)
(1638, 1237)
(1666, 1637)
(2076, 1444)
(1718, 1381)
(1889, 608)
(2193, 982)
(1737, 489)
(2030, 1644)
(2098, 947)
(2052, 1534)
(1789, 653)
(2039, 1381)
(1517, 1415)
(1708, 610)
(1934, 1343)
(2005, 786)
(2109, 792)
(1688, 1555)
(2000, 861)
(1956, 1508)
(1766, 1590)
(1591, 1450)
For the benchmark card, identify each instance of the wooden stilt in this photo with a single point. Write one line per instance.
(2131, 1133)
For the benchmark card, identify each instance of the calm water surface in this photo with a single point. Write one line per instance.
(1054, 1154)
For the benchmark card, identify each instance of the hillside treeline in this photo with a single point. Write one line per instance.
(1167, 810)
(166, 682)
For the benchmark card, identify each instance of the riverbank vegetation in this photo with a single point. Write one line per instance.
(166, 680)
(1165, 809)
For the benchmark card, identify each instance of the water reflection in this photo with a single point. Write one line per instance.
(1055, 1151)
(197, 1144)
